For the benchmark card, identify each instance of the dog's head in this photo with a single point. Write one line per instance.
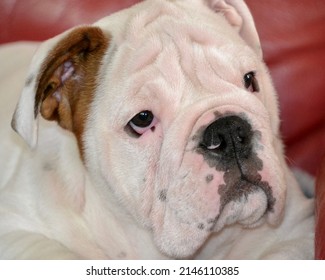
(174, 114)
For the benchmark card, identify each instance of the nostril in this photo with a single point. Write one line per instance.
(226, 134)
(213, 141)
(241, 134)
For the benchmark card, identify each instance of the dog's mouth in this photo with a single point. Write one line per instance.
(235, 189)
(243, 199)
(228, 145)
(228, 175)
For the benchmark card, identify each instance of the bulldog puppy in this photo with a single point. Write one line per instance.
(151, 134)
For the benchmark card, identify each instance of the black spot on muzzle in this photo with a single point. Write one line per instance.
(227, 145)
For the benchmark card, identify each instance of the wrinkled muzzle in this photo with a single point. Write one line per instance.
(225, 172)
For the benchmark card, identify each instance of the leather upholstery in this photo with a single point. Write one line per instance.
(320, 214)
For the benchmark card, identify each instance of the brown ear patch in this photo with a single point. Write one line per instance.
(68, 79)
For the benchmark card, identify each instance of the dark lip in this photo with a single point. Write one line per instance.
(250, 183)
(252, 186)
(241, 166)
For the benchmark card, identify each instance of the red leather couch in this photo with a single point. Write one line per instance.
(292, 33)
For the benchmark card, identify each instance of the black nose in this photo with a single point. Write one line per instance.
(229, 137)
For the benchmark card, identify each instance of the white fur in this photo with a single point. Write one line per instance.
(184, 62)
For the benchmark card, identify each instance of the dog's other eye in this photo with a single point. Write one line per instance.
(251, 82)
(143, 121)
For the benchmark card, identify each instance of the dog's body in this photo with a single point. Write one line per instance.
(158, 139)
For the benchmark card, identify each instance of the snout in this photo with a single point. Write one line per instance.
(229, 139)
(228, 146)
(225, 171)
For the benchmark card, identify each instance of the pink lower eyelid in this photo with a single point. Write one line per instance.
(139, 130)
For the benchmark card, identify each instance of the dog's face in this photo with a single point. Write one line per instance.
(174, 114)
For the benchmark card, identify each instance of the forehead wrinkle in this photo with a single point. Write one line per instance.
(147, 54)
(144, 20)
(180, 50)
(214, 69)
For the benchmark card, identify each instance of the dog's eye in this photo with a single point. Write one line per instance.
(251, 82)
(141, 122)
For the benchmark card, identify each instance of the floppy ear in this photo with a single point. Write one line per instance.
(239, 16)
(61, 81)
